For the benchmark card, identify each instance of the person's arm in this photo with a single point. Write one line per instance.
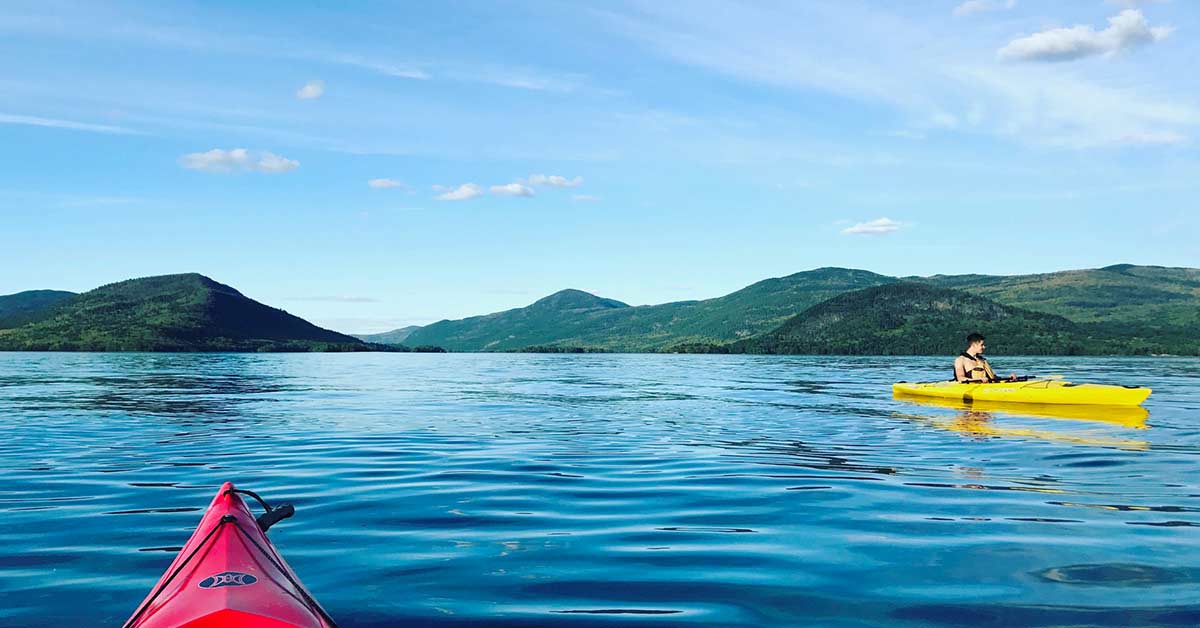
(960, 372)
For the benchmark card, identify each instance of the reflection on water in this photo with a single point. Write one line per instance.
(598, 489)
(987, 425)
(984, 419)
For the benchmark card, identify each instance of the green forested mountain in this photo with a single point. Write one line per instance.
(563, 313)
(170, 313)
(577, 319)
(1117, 309)
(1140, 295)
(394, 337)
(25, 307)
(1147, 308)
(909, 318)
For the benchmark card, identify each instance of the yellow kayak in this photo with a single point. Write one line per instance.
(1033, 391)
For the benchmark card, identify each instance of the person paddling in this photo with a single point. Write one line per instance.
(970, 367)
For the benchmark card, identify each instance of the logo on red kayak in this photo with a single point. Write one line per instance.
(227, 579)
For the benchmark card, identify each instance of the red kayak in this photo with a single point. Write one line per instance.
(229, 575)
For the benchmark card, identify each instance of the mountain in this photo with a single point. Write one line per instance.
(1149, 308)
(909, 318)
(393, 337)
(1144, 296)
(576, 319)
(24, 307)
(171, 313)
(562, 314)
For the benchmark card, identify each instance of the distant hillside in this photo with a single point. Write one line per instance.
(394, 337)
(25, 307)
(562, 313)
(913, 319)
(579, 320)
(1152, 296)
(171, 313)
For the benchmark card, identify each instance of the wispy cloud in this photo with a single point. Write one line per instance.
(938, 81)
(386, 68)
(6, 118)
(463, 192)
(238, 160)
(1154, 139)
(553, 180)
(879, 226)
(335, 299)
(386, 184)
(512, 189)
(1127, 30)
(1133, 4)
(516, 78)
(98, 201)
(372, 325)
(165, 35)
(311, 90)
(971, 7)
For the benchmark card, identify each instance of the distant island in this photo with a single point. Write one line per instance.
(1116, 310)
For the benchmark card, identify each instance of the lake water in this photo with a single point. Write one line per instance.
(533, 490)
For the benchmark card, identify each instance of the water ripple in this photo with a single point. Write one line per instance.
(514, 490)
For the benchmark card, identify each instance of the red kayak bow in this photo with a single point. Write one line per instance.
(230, 576)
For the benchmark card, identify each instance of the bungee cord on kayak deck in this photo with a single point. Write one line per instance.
(291, 579)
(132, 621)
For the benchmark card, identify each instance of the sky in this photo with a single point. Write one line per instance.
(371, 165)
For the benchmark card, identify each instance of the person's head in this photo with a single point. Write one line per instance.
(975, 344)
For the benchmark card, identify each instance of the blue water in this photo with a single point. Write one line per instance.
(626, 490)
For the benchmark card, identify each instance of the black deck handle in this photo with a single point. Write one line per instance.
(274, 516)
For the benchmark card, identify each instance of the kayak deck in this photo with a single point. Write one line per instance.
(229, 575)
(1032, 391)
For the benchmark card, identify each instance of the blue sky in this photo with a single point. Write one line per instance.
(646, 151)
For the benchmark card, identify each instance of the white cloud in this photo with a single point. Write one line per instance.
(554, 180)
(385, 184)
(585, 198)
(971, 7)
(238, 160)
(1126, 30)
(64, 124)
(512, 189)
(272, 163)
(879, 226)
(311, 90)
(460, 193)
